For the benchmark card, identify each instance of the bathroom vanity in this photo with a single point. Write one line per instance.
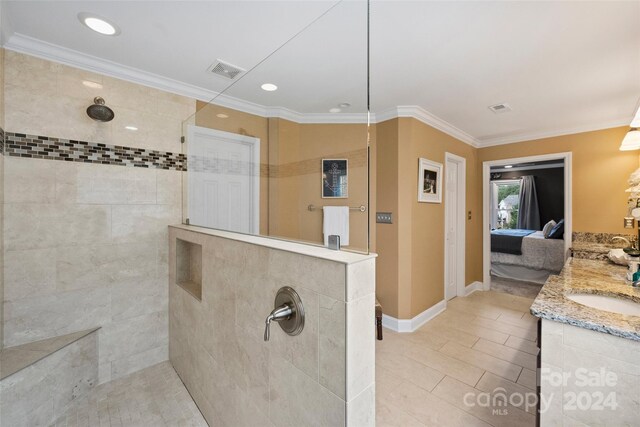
(589, 369)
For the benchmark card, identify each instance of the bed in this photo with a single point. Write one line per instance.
(537, 258)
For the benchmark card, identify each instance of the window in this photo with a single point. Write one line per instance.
(506, 203)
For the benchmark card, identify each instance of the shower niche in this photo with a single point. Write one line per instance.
(189, 267)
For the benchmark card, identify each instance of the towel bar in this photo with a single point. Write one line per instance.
(361, 208)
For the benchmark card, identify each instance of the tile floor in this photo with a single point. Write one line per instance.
(481, 345)
(153, 397)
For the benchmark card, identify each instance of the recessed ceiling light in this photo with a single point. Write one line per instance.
(335, 110)
(344, 105)
(99, 24)
(269, 87)
(131, 128)
(222, 116)
(508, 166)
(92, 85)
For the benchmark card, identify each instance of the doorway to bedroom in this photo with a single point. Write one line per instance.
(527, 207)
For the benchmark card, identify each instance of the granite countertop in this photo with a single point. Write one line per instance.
(588, 277)
(601, 248)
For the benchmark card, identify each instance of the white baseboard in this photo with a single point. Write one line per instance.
(411, 325)
(475, 286)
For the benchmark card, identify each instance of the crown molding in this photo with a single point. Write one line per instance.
(491, 142)
(30, 46)
(422, 115)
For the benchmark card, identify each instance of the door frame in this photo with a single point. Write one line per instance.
(461, 224)
(486, 227)
(254, 143)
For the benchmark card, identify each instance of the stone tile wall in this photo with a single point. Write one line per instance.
(324, 376)
(39, 393)
(86, 242)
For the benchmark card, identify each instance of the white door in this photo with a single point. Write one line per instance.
(223, 180)
(451, 208)
(454, 225)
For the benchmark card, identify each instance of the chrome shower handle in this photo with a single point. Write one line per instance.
(288, 312)
(278, 314)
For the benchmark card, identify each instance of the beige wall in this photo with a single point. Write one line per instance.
(427, 219)
(296, 157)
(600, 173)
(291, 158)
(410, 275)
(387, 277)
(86, 244)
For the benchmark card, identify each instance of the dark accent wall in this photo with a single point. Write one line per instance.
(550, 189)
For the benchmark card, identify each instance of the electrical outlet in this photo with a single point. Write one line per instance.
(384, 218)
(469, 215)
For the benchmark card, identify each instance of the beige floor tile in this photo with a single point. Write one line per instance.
(429, 409)
(409, 370)
(446, 334)
(434, 341)
(523, 321)
(386, 382)
(465, 372)
(509, 354)
(482, 360)
(523, 345)
(466, 306)
(471, 326)
(529, 333)
(499, 299)
(521, 397)
(389, 415)
(462, 396)
(527, 378)
(152, 397)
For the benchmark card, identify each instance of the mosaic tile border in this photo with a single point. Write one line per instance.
(49, 148)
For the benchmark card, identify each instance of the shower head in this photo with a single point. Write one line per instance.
(100, 112)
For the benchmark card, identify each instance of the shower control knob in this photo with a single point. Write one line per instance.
(288, 312)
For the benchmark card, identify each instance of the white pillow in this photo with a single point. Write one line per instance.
(547, 228)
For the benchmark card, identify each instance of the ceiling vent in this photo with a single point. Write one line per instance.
(226, 70)
(500, 108)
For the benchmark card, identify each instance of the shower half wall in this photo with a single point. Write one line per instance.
(323, 376)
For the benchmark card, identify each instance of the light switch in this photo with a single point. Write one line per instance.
(628, 221)
(384, 218)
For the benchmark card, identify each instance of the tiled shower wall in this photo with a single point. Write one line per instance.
(1, 195)
(86, 236)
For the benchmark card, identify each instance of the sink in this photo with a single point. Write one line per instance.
(607, 303)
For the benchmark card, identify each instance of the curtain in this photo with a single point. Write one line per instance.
(529, 212)
(493, 205)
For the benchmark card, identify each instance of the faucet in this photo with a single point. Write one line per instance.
(278, 314)
(629, 244)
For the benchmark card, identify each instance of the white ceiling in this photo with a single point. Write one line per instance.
(563, 67)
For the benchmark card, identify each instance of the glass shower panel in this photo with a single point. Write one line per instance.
(266, 161)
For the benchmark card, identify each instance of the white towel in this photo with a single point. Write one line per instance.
(336, 222)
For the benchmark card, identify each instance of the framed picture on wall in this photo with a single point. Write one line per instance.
(335, 179)
(429, 181)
